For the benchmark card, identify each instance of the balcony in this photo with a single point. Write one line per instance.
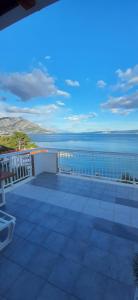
(76, 227)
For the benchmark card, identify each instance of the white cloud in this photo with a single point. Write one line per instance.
(12, 110)
(122, 105)
(127, 79)
(80, 117)
(101, 84)
(120, 111)
(73, 83)
(26, 86)
(62, 94)
(60, 103)
(47, 57)
(124, 74)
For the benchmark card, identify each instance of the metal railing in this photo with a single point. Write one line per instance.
(121, 167)
(19, 163)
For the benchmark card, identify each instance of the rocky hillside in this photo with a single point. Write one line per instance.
(10, 125)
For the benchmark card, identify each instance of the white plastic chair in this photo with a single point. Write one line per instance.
(7, 224)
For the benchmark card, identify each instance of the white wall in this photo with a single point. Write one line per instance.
(45, 162)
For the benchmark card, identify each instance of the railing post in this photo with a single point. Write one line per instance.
(33, 166)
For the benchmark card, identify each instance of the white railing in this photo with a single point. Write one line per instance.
(121, 167)
(19, 163)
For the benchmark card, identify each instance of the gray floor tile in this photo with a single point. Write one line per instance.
(127, 202)
(65, 274)
(85, 220)
(49, 221)
(121, 269)
(57, 211)
(42, 262)
(7, 251)
(22, 200)
(97, 260)
(10, 207)
(65, 227)
(64, 185)
(55, 242)
(32, 203)
(90, 285)
(72, 215)
(26, 287)
(22, 211)
(104, 248)
(36, 216)
(103, 225)
(38, 235)
(45, 207)
(122, 247)
(118, 291)
(113, 266)
(127, 232)
(81, 232)
(106, 197)
(9, 272)
(100, 239)
(24, 228)
(74, 250)
(23, 252)
(50, 292)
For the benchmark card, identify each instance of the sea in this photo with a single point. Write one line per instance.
(109, 142)
(112, 158)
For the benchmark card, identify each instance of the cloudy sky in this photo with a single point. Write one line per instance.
(73, 66)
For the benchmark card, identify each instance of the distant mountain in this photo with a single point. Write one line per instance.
(131, 131)
(10, 125)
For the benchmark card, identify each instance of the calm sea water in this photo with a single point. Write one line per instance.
(107, 165)
(127, 143)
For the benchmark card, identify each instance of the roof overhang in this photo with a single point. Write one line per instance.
(12, 11)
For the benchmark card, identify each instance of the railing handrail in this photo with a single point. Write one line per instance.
(102, 164)
(87, 151)
(67, 150)
(96, 152)
(110, 165)
(13, 153)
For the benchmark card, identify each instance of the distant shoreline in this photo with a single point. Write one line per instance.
(84, 133)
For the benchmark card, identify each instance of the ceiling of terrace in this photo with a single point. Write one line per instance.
(12, 11)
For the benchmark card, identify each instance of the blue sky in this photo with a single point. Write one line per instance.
(73, 66)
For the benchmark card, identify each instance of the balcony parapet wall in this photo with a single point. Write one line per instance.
(44, 162)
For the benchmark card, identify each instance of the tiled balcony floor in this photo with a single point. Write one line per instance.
(64, 250)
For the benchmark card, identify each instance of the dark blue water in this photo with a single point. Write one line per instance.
(118, 163)
(127, 143)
